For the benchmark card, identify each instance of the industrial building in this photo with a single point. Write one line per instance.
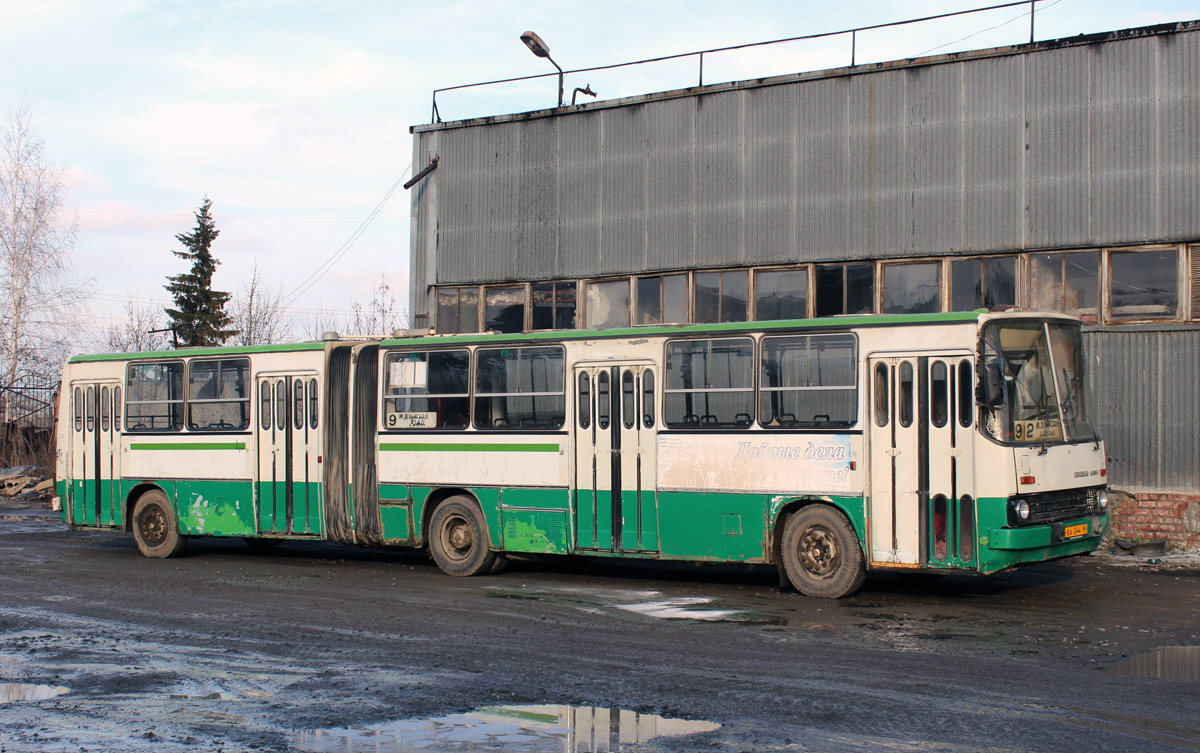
(1059, 175)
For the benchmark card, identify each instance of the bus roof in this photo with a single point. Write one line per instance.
(219, 350)
(827, 322)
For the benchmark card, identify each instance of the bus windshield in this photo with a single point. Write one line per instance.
(1035, 374)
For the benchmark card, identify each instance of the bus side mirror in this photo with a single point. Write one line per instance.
(991, 385)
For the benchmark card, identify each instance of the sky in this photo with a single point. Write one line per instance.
(294, 117)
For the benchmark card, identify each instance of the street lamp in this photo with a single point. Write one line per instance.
(542, 50)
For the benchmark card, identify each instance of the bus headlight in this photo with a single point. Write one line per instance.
(1021, 507)
(1102, 499)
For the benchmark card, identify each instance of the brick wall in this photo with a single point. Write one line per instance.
(1141, 516)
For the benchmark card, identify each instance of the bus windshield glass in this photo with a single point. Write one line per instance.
(1033, 383)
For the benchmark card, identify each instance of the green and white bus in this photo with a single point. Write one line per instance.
(829, 447)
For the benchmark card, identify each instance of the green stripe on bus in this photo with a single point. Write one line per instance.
(189, 446)
(466, 447)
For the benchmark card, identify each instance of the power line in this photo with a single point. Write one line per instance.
(341, 251)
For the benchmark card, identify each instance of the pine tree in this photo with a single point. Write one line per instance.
(199, 316)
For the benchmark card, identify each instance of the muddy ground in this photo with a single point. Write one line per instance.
(320, 647)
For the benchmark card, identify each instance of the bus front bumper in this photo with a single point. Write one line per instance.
(1068, 534)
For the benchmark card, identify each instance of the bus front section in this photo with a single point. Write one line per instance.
(1040, 468)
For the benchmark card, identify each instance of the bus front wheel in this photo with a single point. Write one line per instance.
(154, 527)
(821, 555)
(458, 538)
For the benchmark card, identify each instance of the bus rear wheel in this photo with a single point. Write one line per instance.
(821, 555)
(458, 538)
(154, 527)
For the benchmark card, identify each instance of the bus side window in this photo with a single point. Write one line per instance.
(298, 405)
(117, 408)
(966, 407)
(105, 408)
(939, 388)
(602, 400)
(280, 405)
(78, 409)
(904, 400)
(90, 409)
(585, 400)
(648, 399)
(881, 394)
(312, 403)
(628, 399)
(264, 404)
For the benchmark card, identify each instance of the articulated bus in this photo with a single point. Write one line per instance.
(829, 447)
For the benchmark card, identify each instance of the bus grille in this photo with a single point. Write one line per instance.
(1062, 505)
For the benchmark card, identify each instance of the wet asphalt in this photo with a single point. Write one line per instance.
(312, 645)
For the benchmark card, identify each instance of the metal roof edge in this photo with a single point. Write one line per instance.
(827, 73)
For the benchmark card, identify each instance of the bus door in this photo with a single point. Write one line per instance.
(895, 437)
(951, 498)
(616, 507)
(95, 465)
(287, 471)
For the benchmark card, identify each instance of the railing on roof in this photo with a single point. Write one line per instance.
(699, 54)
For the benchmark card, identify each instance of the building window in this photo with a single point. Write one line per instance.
(504, 308)
(553, 305)
(709, 383)
(808, 381)
(520, 388)
(983, 283)
(154, 397)
(721, 296)
(607, 304)
(845, 289)
(912, 288)
(1143, 284)
(426, 390)
(781, 294)
(1069, 283)
(662, 299)
(219, 395)
(457, 310)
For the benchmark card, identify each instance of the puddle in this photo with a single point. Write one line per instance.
(1163, 663)
(522, 729)
(12, 692)
(647, 603)
(683, 609)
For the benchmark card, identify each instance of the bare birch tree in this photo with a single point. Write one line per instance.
(39, 296)
(259, 315)
(143, 330)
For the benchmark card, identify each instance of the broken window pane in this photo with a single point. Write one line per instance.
(983, 283)
(457, 310)
(845, 289)
(607, 304)
(781, 294)
(662, 299)
(721, 296)
(1069, 283)
(504, 309)
(1145, 284)
(553, 305)
(911, 288)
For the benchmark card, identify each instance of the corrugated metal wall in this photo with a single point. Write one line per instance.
(1064, 144)
(1057, 146)
(1146, 387)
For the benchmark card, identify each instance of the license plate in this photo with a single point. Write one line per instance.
(1074, 532)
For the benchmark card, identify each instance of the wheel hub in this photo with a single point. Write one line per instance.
(819, 551)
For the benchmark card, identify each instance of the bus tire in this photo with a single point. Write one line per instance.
(821, 555)
(154, 526)
(458, 538)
